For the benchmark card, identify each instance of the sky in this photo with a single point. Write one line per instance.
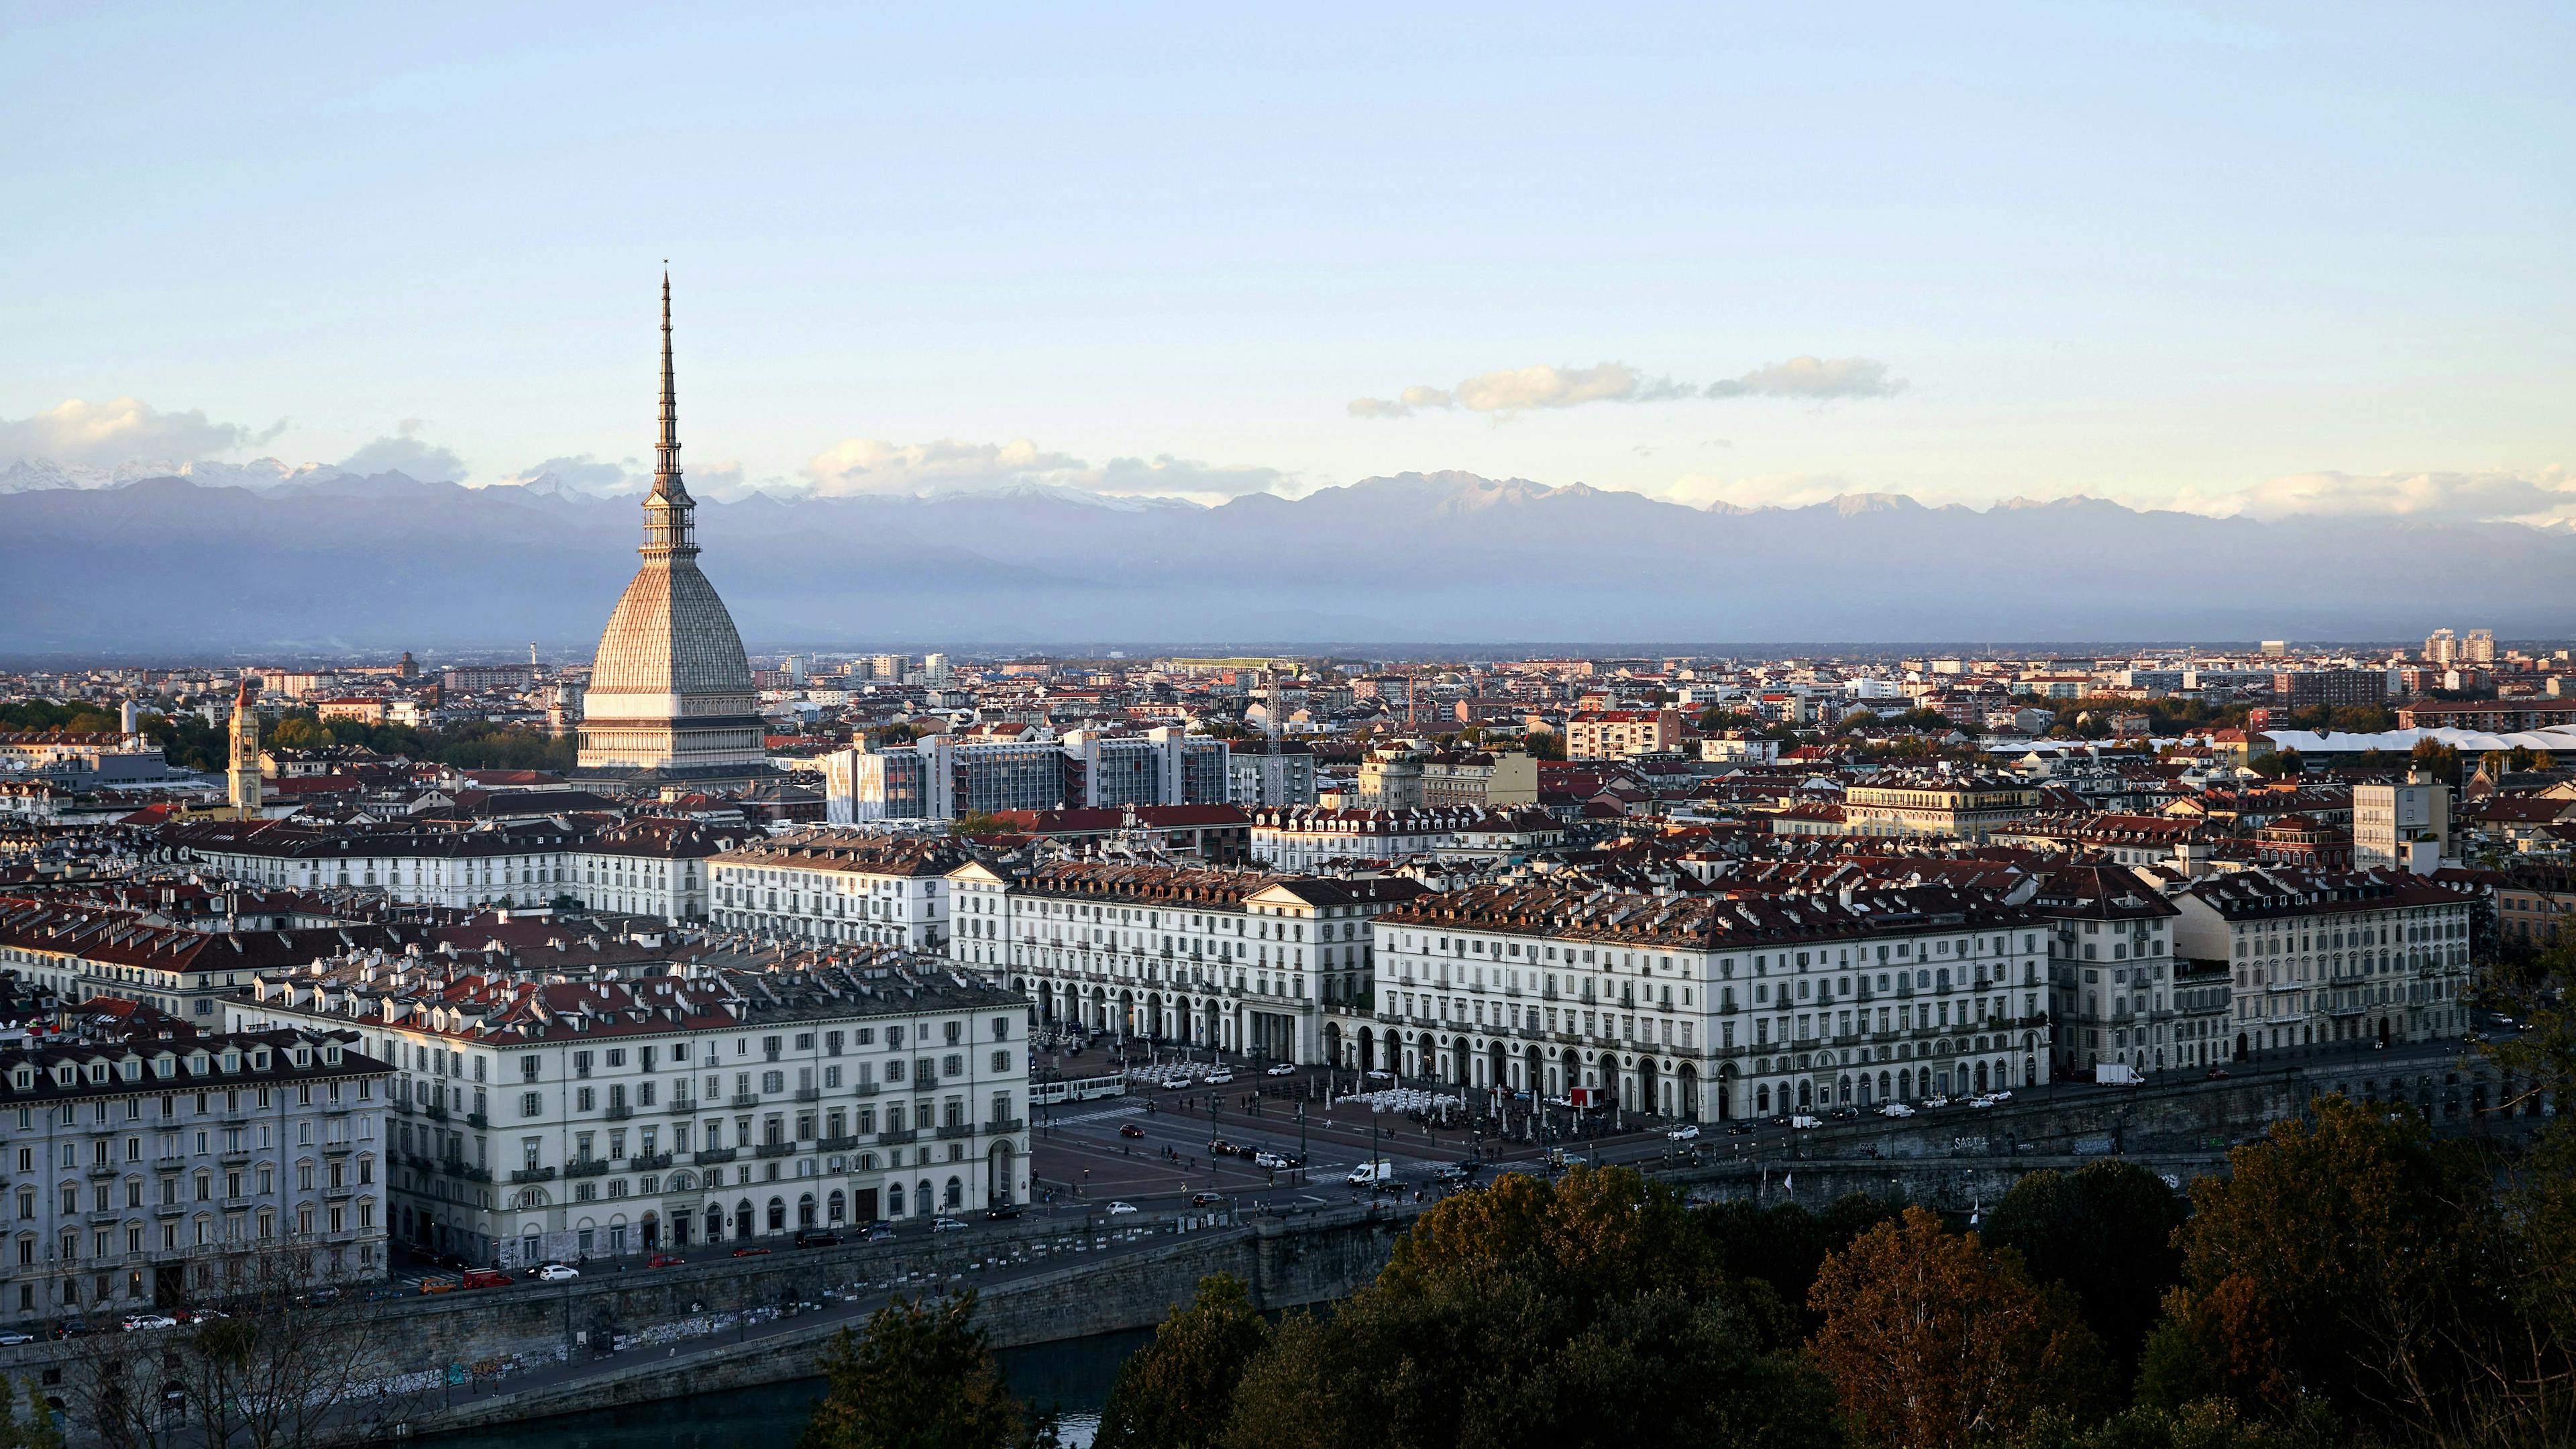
(2263, 259)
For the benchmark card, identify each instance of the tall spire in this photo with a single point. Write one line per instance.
(669, 513)
(666, 462)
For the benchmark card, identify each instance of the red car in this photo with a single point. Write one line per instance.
(666, 1260)
(1131, 1130)
(751, 1252)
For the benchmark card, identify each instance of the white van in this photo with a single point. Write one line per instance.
(1369, 1174)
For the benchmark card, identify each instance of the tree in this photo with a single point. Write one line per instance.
(2349, 1261)
(36, 1428)
(980, 822)
(2278, 765)
(1933, 1341)
(1493, 1363)
(1178, 1391)
(1591, 1236)
(2106, 1232)
(1783, 1245)
(922, 1376)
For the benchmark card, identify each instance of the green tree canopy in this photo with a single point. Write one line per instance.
(2106, 1231)
(1178, 1391)
(922, 1376)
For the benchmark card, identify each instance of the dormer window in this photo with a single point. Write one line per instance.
(24, 1079)
(232, 1061)
(67, 1075)
(165, 1067)
(131, 1069)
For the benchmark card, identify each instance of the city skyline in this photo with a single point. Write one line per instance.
(2263, 269)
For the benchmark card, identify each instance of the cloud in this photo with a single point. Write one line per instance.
(1525, 389)
(2542, 495)
(87, 434)
(875, 466)
(1776, 490)
(406, 454)
(582, 473)
(1814, 379)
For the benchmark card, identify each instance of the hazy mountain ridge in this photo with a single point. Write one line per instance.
(385, 560)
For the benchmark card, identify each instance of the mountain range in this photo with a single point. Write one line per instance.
(265, 557)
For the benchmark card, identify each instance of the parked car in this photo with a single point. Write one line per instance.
(2214, 1073)
(1896, 1109)
(11, 1338)
(751, 1252)
(1684, 1132)
(1207, 1199)
(947, 1225)
(666, 1260)
(1117, 1208)
(437, 1285)
(1845, 1114)
(1275, 1161)
(150, 1320)
(880, 1234)
(1936, 1101)
(1281, 1070)
(1804, 1123)
(485, 1278)
(1003, 1212)
(1740, 1128)
(817, 1238)
(558, 1273)
(1219, 1079)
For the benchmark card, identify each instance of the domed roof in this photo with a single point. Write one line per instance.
(670, 634)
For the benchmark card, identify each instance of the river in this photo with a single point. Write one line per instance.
(1073, 1376)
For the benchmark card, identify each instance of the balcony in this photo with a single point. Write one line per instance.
(712, 1156)
(532, 1174)
(1005, 1124)
(746, 1099)
(168, 1161)
(170, 1210)
(105, 1217)
(103, 1169)
(437, 1112)
(867, 1089)
(336, 1149)
(618, 1112)
(477, 1121)
(773, 1149)
(681, 1108)
(808, 1094)
(954, 1129)
(835, 1144)
(340, 1193)
(588, 1167)
(897, 1139)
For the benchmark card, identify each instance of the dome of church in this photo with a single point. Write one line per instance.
(670, 634)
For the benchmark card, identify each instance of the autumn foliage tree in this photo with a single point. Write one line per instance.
(2349, 1260)
(1933, 1341)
